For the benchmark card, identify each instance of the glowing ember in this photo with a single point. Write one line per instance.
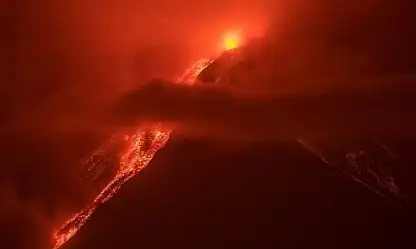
(141, 147)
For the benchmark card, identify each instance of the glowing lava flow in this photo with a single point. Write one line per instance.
(141, 147)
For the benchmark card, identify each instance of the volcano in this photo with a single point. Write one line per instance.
(302, 192)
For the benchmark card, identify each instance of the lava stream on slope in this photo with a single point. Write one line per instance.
(141, 148)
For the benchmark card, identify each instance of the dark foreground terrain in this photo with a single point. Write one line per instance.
(212, 194)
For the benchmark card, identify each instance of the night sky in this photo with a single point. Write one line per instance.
(232, 176)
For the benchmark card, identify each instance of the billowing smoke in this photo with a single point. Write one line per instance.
(321, 72)
(220, 111)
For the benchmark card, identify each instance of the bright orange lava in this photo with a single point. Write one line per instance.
(231, 41)
(141, 147)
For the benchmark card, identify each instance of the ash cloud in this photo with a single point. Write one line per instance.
(325, 73)
(220, 111)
